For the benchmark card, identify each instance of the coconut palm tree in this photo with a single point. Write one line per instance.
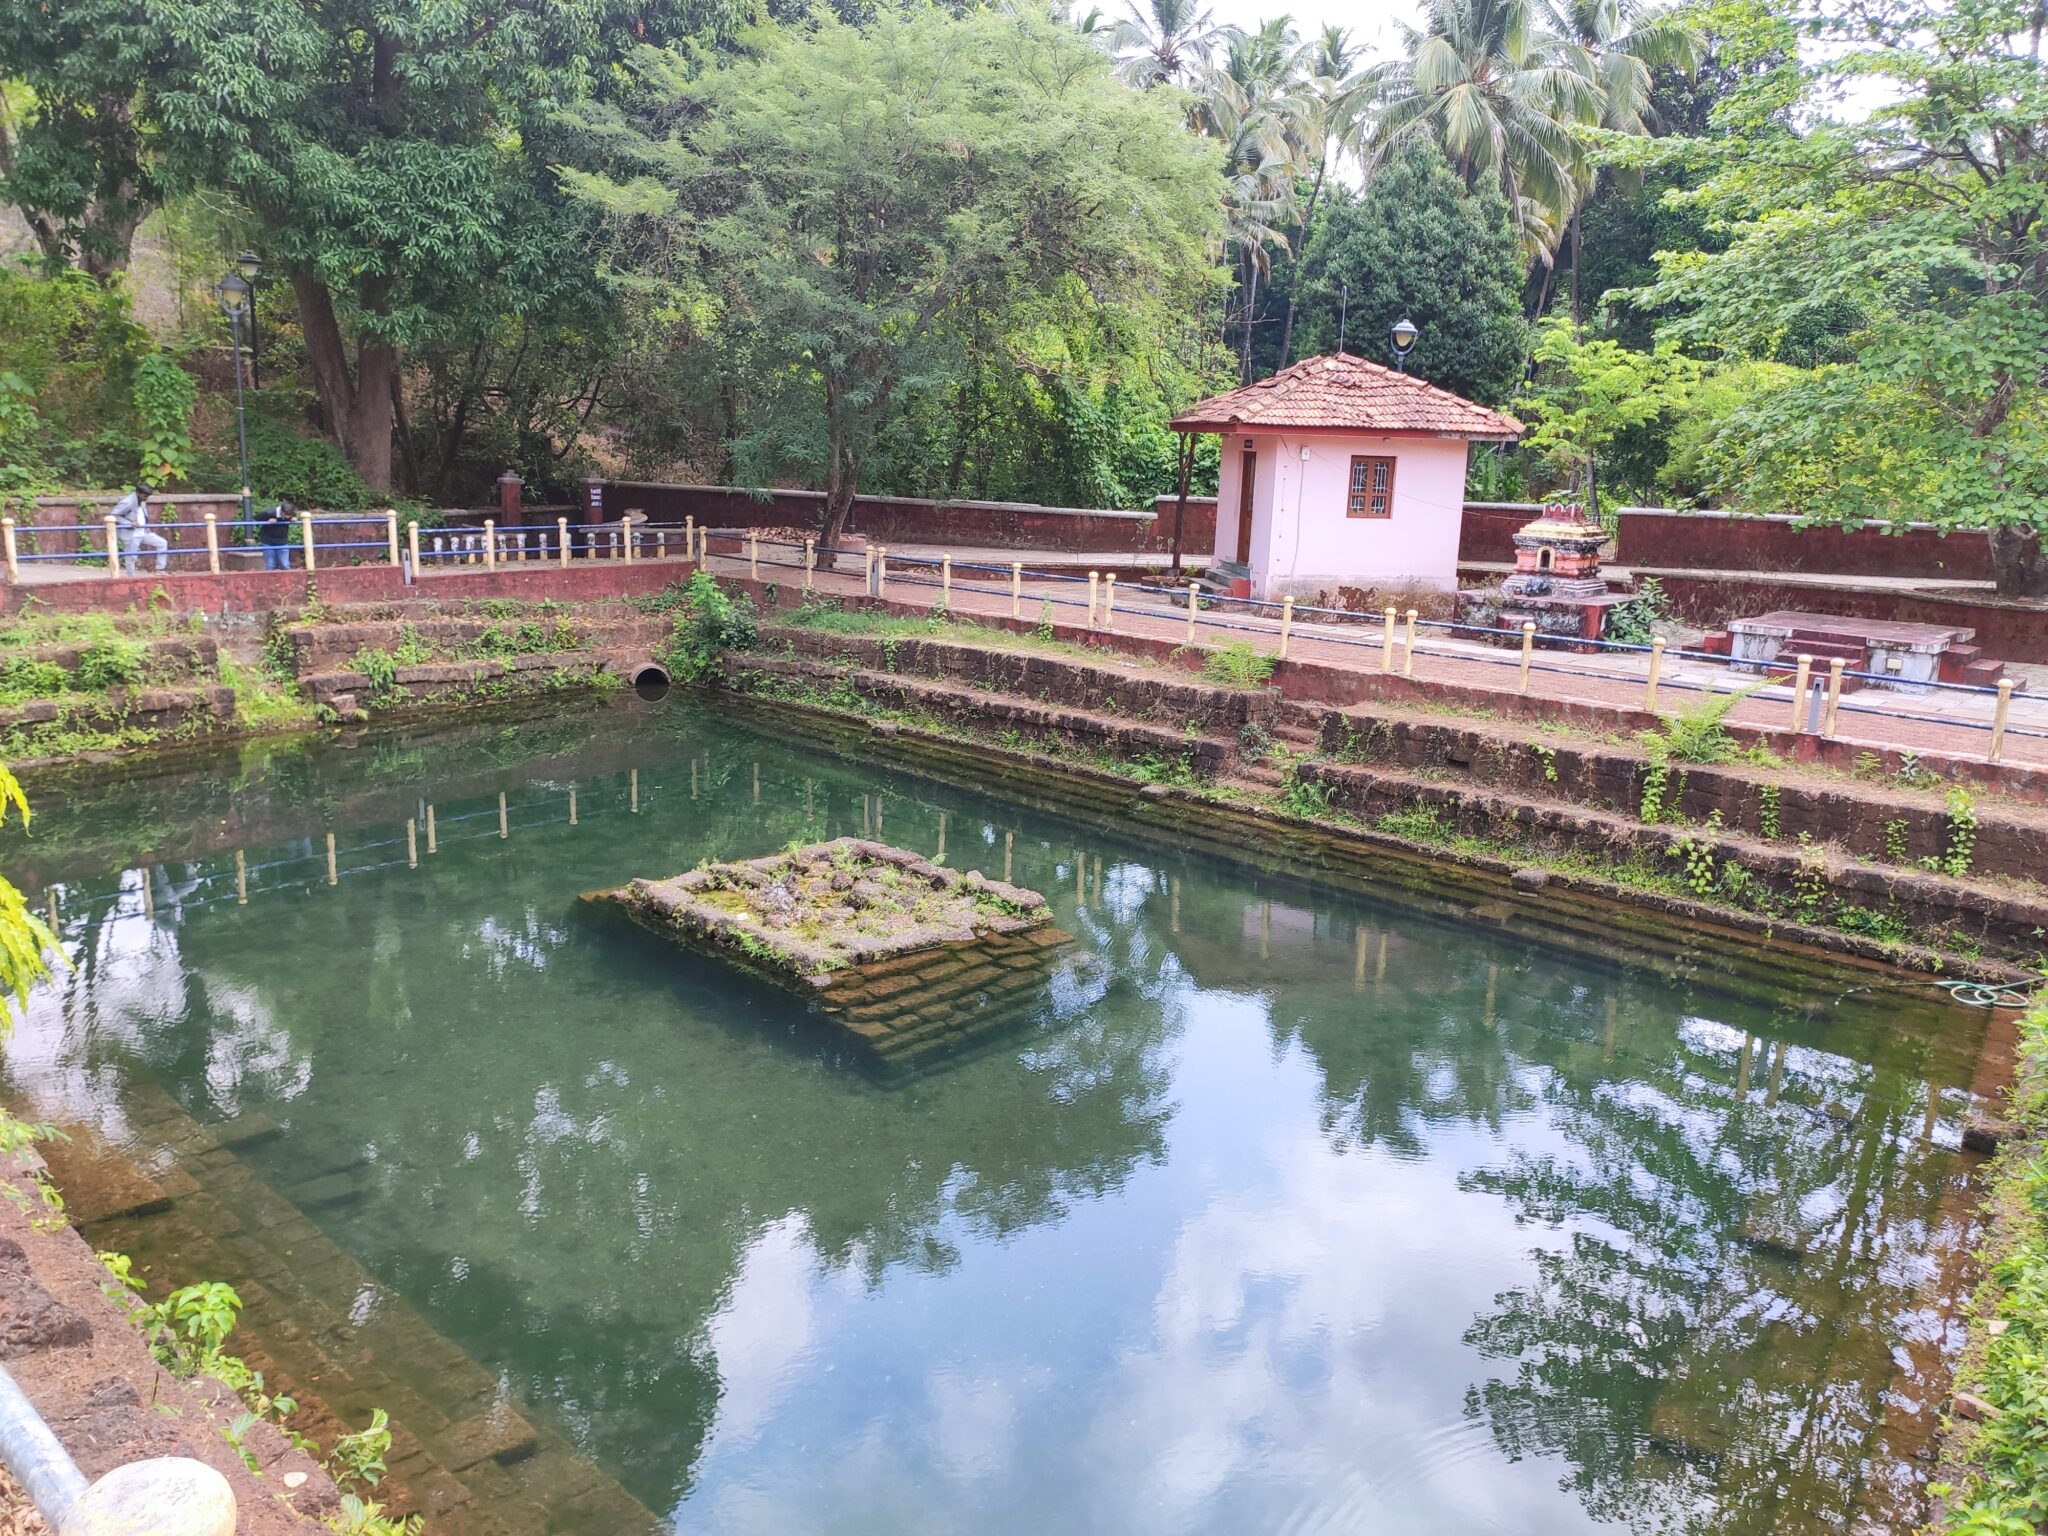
(1167, 42)
(1616, 44)
(1328, 112)
(1502, 94)
(1247, 102)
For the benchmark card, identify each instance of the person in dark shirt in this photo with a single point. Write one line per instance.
(274, 534)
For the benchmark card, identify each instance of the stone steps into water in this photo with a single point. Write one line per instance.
(322, 1329)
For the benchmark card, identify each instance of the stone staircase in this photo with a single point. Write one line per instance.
(184, 1205)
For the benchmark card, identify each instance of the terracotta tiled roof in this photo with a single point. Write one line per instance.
(1341, 393)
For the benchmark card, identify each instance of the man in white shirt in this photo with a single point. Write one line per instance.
(131, 520)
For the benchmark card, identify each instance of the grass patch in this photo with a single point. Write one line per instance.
(825, 618)
(2004, 1460)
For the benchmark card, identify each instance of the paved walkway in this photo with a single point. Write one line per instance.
(1940, 721)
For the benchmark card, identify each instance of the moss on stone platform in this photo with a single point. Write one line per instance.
(805, 915)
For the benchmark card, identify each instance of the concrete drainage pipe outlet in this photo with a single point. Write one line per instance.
(649, 679)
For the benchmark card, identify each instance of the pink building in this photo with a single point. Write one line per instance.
(1337, 473)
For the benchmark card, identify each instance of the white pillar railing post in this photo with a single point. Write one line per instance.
(1286, 624)
(1836, 666)
(1998, 713)
(306, 538)
(1094, 586)
(810, 562)
(1799, 691)
(490, 544)
(1528, 646)
(1194, 607)
(1109, 604)
(213, 543)
(113, 550)
(412, 544)
(562, 542)
(391, 533)
(1387, 642)
(1656, 672)
(13, 553)
(1408, 646)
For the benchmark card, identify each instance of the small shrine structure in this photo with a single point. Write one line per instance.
(1556, 584)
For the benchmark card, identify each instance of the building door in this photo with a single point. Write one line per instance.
(1246, 477)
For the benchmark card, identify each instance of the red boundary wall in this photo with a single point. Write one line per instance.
(1736, 541)
(912, 520)
(264, 591)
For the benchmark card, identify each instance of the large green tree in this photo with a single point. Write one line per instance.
(73, 156)
(1417, 243)
(839, 206)
(391, 157)
(1913, 241)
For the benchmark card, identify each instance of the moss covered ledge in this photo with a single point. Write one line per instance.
(803, 915)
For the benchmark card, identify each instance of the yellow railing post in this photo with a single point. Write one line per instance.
(1656, 671)
(1528, 646)
(391, 533)
(213, 543)
(1827, 719)
(1016, 589)
(1286, 624)
(1194, 607)
(490, 544)
(13, 554)
(1799, 688)
(1408, 647)
(113, 551)
(1997, 751)
(562, 542)
(1387, 643)
(626, 539)
(306, 538)
(412, 544)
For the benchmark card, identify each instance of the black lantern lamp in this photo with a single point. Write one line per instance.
(1403, 333)
(233, 291)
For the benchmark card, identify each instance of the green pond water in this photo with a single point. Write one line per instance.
(1281, 1208)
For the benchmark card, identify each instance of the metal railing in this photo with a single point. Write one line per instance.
(1815, 700)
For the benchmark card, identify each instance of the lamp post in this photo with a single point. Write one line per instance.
(250, 265)
(1403, 333)
(233, 292)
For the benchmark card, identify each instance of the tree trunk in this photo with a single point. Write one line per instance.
(1578, 316)
(2019, 562)
(841, 481)
(1294, 287)
(358, 401)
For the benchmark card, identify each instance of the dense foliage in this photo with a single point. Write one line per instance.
(1780, 254)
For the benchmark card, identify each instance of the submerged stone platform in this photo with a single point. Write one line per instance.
(909, 957)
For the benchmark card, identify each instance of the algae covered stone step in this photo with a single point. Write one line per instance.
(911, 959)
(806, 916)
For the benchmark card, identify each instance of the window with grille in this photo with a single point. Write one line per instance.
(1372, 488)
